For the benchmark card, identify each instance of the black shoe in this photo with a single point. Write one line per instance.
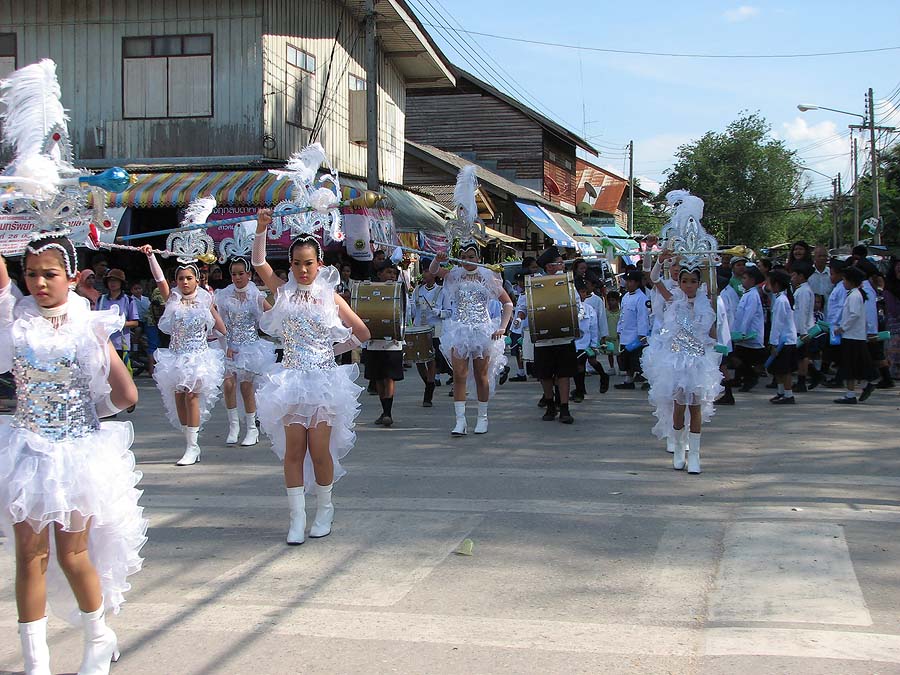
(784, 400)
(776, 397)
(427, 404)
(380, 420)
(519, 378)
(387, 421)
(542, 403)
(748, 386)
(624, 385)
(815, 380)
(800, 388)
(504, 376)
(645, 386)
(867, 392)
(725, 399)
(604, 383)
(844, 399)
(577, 397)
(885, 384)
(550, 415)
(565, 416)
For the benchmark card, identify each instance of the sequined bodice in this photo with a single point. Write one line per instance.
(307, 339)
(53, 395)
(189, 331)
(240, 323)
(472, 298)
(685, 328)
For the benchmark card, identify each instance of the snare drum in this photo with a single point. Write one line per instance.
(419, 347)
(552, 306)
(381, 306)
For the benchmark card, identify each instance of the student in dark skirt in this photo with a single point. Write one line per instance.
(782, 337)
(856, 360)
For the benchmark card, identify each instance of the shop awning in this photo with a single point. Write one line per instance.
(584, 238)
(617, 238)
(545, 223)
(491, 233)
(230, 188)
(412, 212)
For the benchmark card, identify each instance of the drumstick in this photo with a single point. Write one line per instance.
(492, 268)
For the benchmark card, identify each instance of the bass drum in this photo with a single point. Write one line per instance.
(382, 307)
(552, 306)
(419, 344)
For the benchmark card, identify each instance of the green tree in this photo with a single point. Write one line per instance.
(748, 180)
(888, 196)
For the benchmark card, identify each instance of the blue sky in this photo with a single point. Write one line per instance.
(662, 102)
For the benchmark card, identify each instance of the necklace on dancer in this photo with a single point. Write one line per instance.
(55, 315)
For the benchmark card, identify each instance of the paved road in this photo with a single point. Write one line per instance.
(590, 554)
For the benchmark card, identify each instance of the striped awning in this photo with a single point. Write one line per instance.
(230, 188)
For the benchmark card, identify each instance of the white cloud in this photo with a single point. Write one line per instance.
(742, 13)
(824, 147)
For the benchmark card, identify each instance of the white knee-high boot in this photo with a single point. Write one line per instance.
(297, 501)
(234, 426)
(192, 448)
(481, 425)
(100, 644)
(251, 437)
(35, 651)
(680, 448)
(460, 428)
(321, 526)
(693, 458)
(671, 442)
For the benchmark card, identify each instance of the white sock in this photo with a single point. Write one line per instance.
(629, 378)
(789, 393)
(850, 394)
(781, 389)
(460, 408)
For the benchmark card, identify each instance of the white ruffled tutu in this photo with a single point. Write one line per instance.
(200, 372)
(252, 360)
(468, 341)
(682, 365)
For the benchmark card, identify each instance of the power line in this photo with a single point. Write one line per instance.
(672, 54)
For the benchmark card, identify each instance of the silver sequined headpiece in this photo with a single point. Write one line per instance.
(56, 240)
(685, 236)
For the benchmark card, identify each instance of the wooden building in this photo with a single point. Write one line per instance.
(196, 88)
(611, 189)
(487, 127)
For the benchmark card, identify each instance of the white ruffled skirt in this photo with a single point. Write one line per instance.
(200, 372)
(677, 377)
(309, 398)
(474, 341)
(90, 480)
(251, 360)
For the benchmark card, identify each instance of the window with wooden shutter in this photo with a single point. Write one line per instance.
(167, 76)
(7, 54)
(302, 113)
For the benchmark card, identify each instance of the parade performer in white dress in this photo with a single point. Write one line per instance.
(68, 502)
(470, 334)
(61, 469)
(247, 356)
(310, 401)
(188, 373)
(681, 362)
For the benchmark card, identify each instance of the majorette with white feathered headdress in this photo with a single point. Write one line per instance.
(247, 356)
(62, 470)
(311, 402)
(188, 374)
(681, 361)
(470, 335)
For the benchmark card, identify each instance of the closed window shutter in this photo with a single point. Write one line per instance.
(190, 86)
(145, 88)
(7, 65)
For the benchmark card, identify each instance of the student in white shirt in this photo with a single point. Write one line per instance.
(599, 306)
(384, 359)
(834, 307)
(748, 330)
(426, 311)
(782, 336)
(856, 362)
(820, 279)
(876, 347)
(634, 327)
(587, 344)
(804, 320)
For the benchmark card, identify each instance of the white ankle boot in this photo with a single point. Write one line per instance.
(460, 428)
(33, 636)
(297, 532)
(693, 457)
(252, 435)
(321, 526)
(192, 448)
(481, 426)
(234, 426)
(679, 448)
(100, 644)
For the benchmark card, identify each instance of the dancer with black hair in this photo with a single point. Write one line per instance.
(782, 337)
(247, 356)
(471, 340)
(311, 401)
(188, 373)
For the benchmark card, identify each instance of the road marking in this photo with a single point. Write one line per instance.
(378, 558)
(787, 572)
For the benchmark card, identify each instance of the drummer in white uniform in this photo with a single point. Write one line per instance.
(426, 316)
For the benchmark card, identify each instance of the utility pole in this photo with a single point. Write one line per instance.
(834, 212)
(372, 181)
(876, 204)
(630, 187)
(855, 195)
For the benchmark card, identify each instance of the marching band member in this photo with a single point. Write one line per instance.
(748, 329)
(856, 358)
(384, 358)
(311, 401)
(682, 365)
(782, 336)
(188, 373)
(426, 311)
(470, 335)
(247, 356)
(834, 308)
(633, 328)
(587, 343)
(597, 303)
(804, 320)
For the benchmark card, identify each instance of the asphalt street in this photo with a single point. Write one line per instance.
(589, 553)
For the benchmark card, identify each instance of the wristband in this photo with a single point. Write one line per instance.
(105, 407)
(258, 253)
(347, 345)
(656, 273)
(506, 316)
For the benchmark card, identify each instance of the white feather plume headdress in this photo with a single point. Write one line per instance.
(685, 235)
(193, 245)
